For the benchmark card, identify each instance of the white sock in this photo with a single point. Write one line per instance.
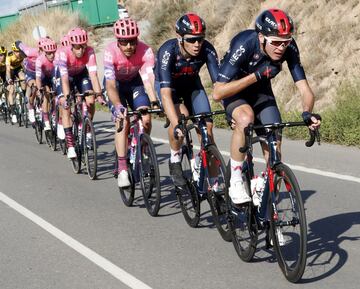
(236, 169)
(175, 156)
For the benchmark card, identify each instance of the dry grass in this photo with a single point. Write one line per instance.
(51, 20)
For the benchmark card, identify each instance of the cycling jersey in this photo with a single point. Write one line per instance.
(3, 65)
(118, 66)
(70, 65)
(31, 55)
(44, 67)
(13, 61)
(173, 70)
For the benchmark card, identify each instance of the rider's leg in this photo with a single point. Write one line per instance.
(30, 94)
(45, 108)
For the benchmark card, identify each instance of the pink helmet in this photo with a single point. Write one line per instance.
(78, 36)
(41, 41)
(126, 28)
(65, 41)
(49, 46)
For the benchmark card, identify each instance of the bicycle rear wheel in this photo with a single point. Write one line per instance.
(242, 224)
(90, 148)
(76, 162)
(188, 196)
(24, 112)
(216, 195)
(149, 175)
(288, 227)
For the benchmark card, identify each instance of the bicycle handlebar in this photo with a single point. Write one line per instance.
(250, 140)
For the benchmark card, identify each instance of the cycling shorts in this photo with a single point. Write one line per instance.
(80, 81)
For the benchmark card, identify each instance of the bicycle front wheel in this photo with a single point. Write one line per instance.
(38, 131)
(90, 148)
(216, 198)
(149, 175)
(188, 196)
(24, 112)
(288, 224)
(76, 162)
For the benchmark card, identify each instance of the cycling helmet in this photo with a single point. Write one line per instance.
(274, 22)
(14, 47)
(190, 23)
(3, 50)
(126, 28)
(78, 36)
(41, 42)
(49, 45)
(65, 41)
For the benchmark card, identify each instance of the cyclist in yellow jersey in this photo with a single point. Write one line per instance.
(3, 53)
(14, 69)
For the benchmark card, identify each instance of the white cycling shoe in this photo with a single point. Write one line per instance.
(123, 179)
(237, 193)
(14, 118)
(32, 115)
(60, 132)
(71, 154)
(47, 126)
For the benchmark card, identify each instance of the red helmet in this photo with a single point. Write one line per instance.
(49, 46)
(126, 28)
(78, 36)
(190, 23)
(65, 41)
(41, 41)
(274, 22)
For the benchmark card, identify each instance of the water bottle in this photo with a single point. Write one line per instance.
(263, 195)
(257, 188)
(195, 167)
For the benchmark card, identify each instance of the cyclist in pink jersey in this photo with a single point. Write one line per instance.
(77, 68)
(128, 73)
(45, 70)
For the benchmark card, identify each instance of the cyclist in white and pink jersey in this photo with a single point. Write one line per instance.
(77, 68)
(128, 72)
(45, 72)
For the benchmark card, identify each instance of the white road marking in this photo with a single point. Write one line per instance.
(260, 160)
(98, 260)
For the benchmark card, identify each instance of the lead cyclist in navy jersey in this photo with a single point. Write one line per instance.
(243, 84)
(178, 82)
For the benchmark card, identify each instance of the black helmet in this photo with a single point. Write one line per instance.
(274, 22)
(190, 23)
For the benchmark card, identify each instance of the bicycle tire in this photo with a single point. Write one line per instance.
(76, 162)
(242, 224)
(217, 199)
(188, 196)
(53, 131)
(19, 114)
(90, 154)
(24, 112)
(38, 131)
(5, 113)
(149, 175)
(290, 249)
(62, 143)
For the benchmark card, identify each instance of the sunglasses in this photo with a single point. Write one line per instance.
(49, 53)
(125, 42)
(194, 39)
(278, 43)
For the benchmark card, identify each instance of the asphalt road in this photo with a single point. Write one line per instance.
(61, 230)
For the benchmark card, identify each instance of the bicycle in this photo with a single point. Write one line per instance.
(204, 174)
(84, 135)
(21, 109)
(4, 106)
(38, 125)
(280, 210)
(142, 164)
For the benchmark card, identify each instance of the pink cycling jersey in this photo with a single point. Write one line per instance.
(44, 67)
(70, 65)
(118, 66)
(31, 55)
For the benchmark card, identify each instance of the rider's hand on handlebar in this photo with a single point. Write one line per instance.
(267, 70)
(178, 133)
(100, 99)
(118, 112)
(312, 120)
(64, 102)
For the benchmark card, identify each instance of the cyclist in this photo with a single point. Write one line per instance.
(3, 52)
(14, 69)
(243, 83)
(65, 41)
(44, 76)
(128, 73)
(77, 68)
(178, 82)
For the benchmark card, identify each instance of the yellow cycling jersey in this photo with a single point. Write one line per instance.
(13, 61)
(3, 65)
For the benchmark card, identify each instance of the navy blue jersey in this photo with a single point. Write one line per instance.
(175, 71)
(245, 56)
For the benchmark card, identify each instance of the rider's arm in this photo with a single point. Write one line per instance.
(64, 74)
(38, 72)
(91, 66)
(147, 73)
(307, 94)
(212, 61)
(226, 89)
(8, 67)
(112, 92)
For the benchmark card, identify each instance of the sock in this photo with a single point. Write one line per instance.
(69, 137)
(236, 169)
(122, 164)
(175, 156)
(46, 116)
(30, 106)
